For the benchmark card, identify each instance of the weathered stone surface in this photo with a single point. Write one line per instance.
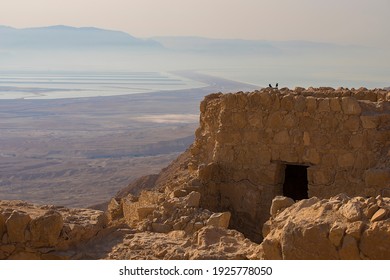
(349, 249)
(377, 177)
(192, 199)
(162, 228)
(280, 203)
(375, 241)
(219, 220)
(346, 160)
(16, 225)
(370, 122)
(282, 137)
(334, 104)
(350, 106)
(336, 234)
(45, 230)
(351, 211)
(379, 215)
(114, 209)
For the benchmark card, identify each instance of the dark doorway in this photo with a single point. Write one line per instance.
(295, 182)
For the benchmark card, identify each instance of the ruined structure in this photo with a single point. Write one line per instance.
(251, 147)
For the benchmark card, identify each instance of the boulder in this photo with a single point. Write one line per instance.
(192, 200)
(279, 203)
(161, 228)
(351, 211)
(45, 230)
(16, 224)
(379, 215)
(335, 228)
(219, 220)
(375, 241)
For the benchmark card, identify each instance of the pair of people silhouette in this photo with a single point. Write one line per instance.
(277, 84)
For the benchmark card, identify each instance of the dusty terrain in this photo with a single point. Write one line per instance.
(79, 152)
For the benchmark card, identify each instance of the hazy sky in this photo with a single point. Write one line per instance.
(342, 21)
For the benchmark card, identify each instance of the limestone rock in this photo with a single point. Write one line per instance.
(219, 220)
(192, 200)
(349, 249)
(114, 209)
(335, 228)
(379, 215)
(279, 203)
(375, 241)
(350, 106)
(162, 228)
(45, 230)
(351, 211)
(16, 225)
(336, 234)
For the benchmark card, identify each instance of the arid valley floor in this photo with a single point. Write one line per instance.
(79, 152)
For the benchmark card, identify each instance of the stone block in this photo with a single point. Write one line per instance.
(289, 155)
(323, 105)
(265, 100)
(350, 106)
(319, 176)
(312, 156)
(311, 104)
(356, 141)
(264, 157)
(144, 211)
(334, 104)
(16, 225)
(238, 120)
(282, 137)
(346, 160)
(219, 220)
(275, 120)
(287, 103)
(377, 178)
(352, 124)
(370, 122)
(300, 103)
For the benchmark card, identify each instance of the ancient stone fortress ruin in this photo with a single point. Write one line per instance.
(251, 147)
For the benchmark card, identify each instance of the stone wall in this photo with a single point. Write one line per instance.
(245, 141)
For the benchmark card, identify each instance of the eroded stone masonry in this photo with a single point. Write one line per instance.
(251, 147)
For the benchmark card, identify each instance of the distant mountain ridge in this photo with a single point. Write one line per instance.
(61, 37)
(67, 37)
